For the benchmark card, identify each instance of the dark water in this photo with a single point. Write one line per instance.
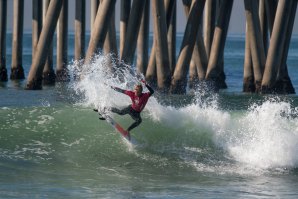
(226, 145)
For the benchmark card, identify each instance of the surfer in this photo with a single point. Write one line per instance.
(139, 101)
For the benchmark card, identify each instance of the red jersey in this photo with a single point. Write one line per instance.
(138, 103)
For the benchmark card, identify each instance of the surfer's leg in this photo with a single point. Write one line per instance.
(134, 125)
(121, 111)
(138, 120)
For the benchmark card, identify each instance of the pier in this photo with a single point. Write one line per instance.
(200, 61)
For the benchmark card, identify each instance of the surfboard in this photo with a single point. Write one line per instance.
(117, 127)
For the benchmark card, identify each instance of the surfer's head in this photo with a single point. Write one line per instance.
(138, 89)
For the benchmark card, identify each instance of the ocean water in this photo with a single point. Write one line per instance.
(201, 145)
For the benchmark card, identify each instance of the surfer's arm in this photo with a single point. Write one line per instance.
(149, 88)
(118, 89)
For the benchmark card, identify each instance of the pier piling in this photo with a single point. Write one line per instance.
(162, 53)
(214, 69)
(132, 31)
(179, 80)
(80, 21)
(256, 44)
(17, 70)
(3, 19)
(100, 28)
(94, 5)
(124, 17)
(35, 74)
(276, 46)
(62, 41)
(48, 75)
(143, 41)
(269, 27)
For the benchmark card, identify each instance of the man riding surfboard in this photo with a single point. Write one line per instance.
(139, 101)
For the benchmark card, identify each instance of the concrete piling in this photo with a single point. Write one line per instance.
(151, 75)
(199, 60)
(284, 82)
(143, 41)
(94, 5)
(48, 75)
(263, 24)
(36, 23)
(132, 31)
(209, 23)
(271, 6)
(248, 75)
(35, 74)
(124, 16)
(98, 33)
(110, 45)
(162, 53)
(201, 57)
(62, 42)
(179, 80)
(172, 26)
(214, 69)
(3, 19)
(17, 70)
(256, 44)
(80, 28)
(276, 49)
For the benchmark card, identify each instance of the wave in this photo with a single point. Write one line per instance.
(177, 133)
(263, 136)
(205, 138)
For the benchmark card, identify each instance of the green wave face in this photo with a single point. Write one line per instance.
(67, 134)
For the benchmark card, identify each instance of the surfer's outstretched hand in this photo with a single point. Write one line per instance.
(112, 87)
